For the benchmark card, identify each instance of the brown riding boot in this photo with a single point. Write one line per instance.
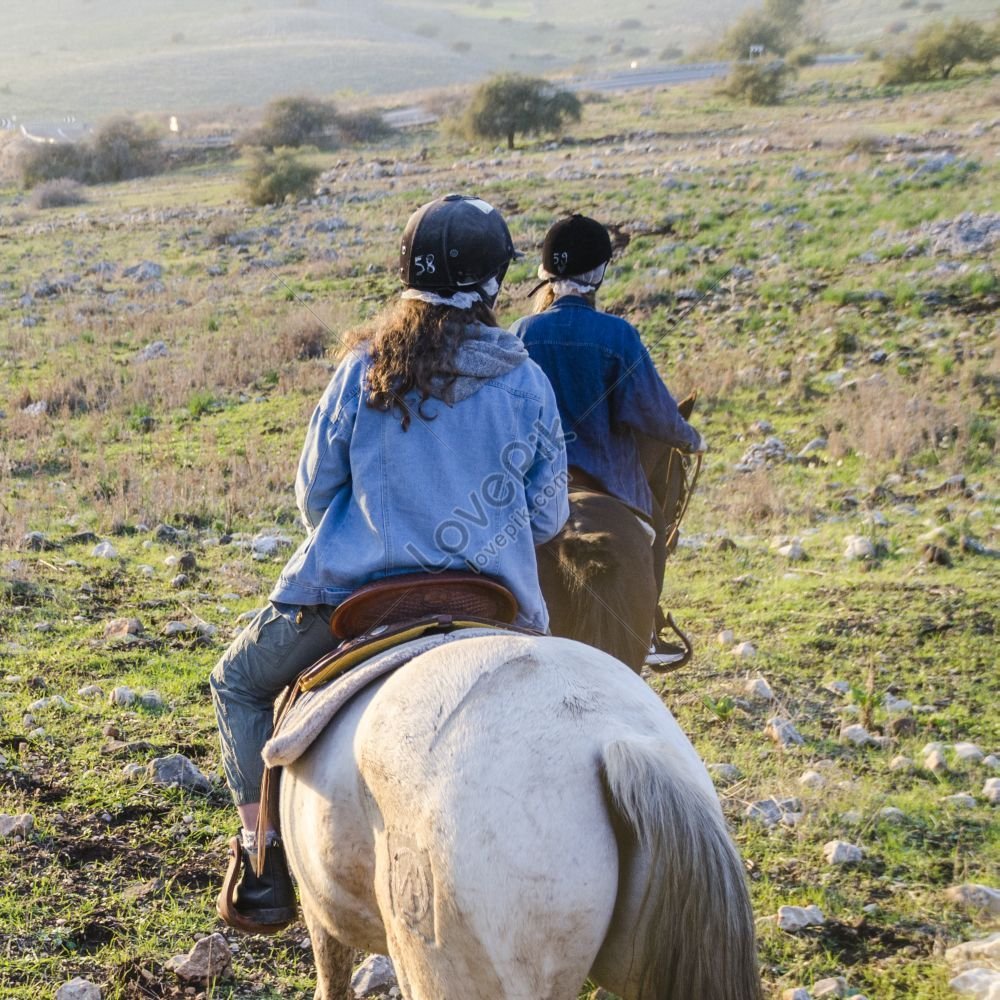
(257, 904)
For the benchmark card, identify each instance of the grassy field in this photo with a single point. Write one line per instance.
(97, 58)
(806, 268)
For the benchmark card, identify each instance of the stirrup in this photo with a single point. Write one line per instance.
(664, 663)
(225, 905)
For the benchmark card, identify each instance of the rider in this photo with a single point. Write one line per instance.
(614, 406)
(436, 446)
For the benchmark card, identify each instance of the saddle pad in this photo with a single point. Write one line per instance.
(313, 710)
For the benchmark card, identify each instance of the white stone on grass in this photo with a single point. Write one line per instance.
(839, 852)
(724, 774)
(992, 761)
(835, 986)
(122, 695)
(968, 752)
(104, 550)
(726, 637)
(758, 689)
(210, 959)
(79, 989)
(794, 918)
(123, 628)
(981, 984)
(793, 551)
(858, 547)
(812, 779)
(936, 761)
(896, 706)
(991, 791)
(856, 734)
(901, 763)
(374, 977)
(176, 770)
(838, 687)
(783, 732)
(890, 814)
(796, 993)
(976, 897)
(962, 800)
(770, 812)
(745, 650)
(91, 691)
(16, 827)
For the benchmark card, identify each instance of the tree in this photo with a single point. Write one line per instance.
(512, 103)
(276, 175)
(757, 83)
(776, 28)
(939, 48)
(296, 121)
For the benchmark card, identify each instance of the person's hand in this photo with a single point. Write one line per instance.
(701, 447)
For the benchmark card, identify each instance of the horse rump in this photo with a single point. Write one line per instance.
(597, 579)
(683, 924)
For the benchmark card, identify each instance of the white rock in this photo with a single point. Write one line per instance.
(374, 976)
(744, 650)
(770, 812)
(856, 734)
(16, 827)
(985, 951)
(973, 896)
(133, 770)
(208, 960)
(936, 761)
(930, 748)
(858, 547)
(892, 815)
(104, 550)
(793, 552)
(78, 989)
(963, 800)
(122, 695)
(783, 732)
(896, 706)
(56, 701)
(982, 984)
(991, 791)
(147, 571)
(794, 918)
(90, 691)
(838, 687)
(725, 637)
(834, 987)
(724, 774)
(839, 852)
(152, 700)
(796, 993)
(176, 769)
(758, 689)
(265, 546)
(812, 779)
(901, 763)
(992, 761)
(968, 752)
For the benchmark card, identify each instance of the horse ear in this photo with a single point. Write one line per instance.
(686, 405)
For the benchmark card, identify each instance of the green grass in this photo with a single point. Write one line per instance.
(207, 439)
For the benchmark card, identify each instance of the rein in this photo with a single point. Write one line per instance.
(690, 470)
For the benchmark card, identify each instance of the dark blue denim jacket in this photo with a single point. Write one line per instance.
(608, 390)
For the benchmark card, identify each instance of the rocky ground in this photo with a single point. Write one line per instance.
(824, 274)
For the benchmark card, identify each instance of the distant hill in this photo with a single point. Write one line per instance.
(91, 58)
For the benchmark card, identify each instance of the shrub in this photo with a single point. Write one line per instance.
(364, 126)
(123, 149)
(276, 175)
(512, 103)
(757, 83)
(939, 48)
(802, 56)
(296, 121)
(45, 162)
(59, 193)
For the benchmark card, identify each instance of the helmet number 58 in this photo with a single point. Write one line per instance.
(424, 263)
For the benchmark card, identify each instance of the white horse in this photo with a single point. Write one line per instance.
(506, 816)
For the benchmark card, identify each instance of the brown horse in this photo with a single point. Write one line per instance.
(601, 576)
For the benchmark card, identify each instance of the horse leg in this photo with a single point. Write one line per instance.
(333, 959)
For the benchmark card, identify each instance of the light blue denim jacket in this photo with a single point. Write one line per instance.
(477, 486)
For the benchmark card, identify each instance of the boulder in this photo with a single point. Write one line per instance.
(373, 977)
(210, 959)
(177, 770)
(16, 827)
(794, 918)
(78, 989)
(975, 897)
(839, 852)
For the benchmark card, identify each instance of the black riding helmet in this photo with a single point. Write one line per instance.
(454, 242)
(575, 245)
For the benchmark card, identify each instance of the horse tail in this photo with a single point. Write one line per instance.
(694, 936)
